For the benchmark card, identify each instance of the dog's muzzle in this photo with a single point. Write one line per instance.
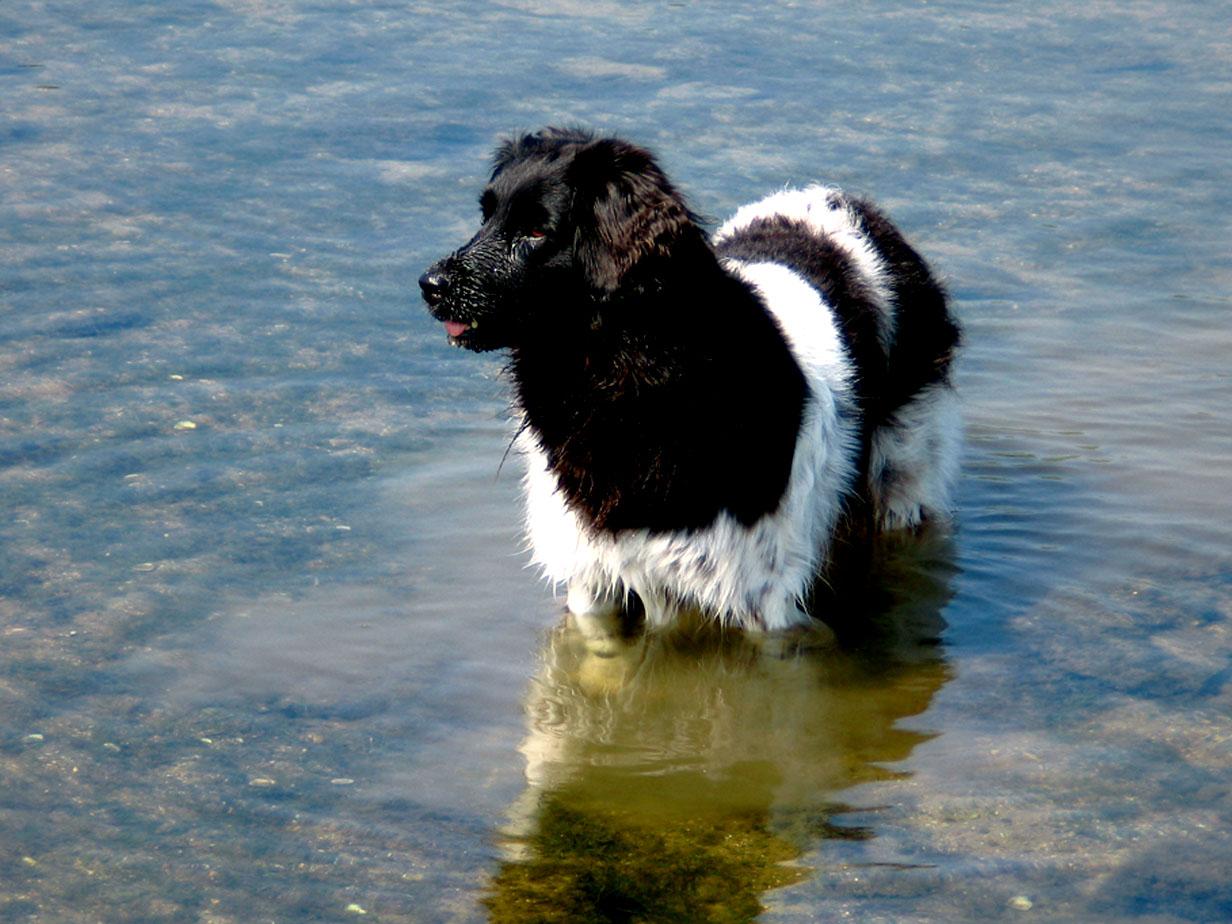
(439, 293)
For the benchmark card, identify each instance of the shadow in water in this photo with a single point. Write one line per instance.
(682, 775)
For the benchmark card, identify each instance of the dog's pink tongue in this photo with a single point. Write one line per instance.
(455, 328)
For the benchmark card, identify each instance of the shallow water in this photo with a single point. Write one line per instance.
(268, 647)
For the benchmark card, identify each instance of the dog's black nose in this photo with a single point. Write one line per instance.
(434, 286)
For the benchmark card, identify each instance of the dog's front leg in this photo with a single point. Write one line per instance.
(597, 614)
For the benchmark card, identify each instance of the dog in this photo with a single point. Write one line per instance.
(703, 418)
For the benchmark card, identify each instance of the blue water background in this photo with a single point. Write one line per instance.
(266, 636)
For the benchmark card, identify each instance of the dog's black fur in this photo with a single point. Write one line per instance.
(632, 350)
(660, 389)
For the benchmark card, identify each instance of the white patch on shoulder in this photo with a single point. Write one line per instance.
(751, 577)
(827, 212)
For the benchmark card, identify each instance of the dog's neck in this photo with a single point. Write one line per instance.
(641, 405)
(596, 348)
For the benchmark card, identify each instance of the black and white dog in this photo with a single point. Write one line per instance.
(702, 416)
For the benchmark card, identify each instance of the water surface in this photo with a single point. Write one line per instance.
(268, 646)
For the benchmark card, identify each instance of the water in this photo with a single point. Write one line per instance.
(269, 649)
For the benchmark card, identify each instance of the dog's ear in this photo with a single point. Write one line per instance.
(626, 213)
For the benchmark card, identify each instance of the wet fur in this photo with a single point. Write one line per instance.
(701, 416)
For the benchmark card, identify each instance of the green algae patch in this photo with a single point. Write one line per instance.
(585, 866)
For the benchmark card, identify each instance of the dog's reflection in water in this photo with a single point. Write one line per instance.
(680, 776)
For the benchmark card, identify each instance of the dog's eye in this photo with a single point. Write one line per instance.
(532, 235)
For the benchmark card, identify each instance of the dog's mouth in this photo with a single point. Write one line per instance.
(466, 334)
(460, 333)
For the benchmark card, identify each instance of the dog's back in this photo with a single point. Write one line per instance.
(896, 332)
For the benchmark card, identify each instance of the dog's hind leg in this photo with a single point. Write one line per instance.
(915, 458)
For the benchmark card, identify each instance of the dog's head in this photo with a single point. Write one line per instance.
(570, 222)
